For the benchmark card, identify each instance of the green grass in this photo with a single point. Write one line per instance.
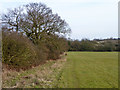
(90, 70)
(80, 70)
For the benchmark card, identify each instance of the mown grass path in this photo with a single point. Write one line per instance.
(90, 70)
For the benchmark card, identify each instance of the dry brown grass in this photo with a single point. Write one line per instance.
(43, 76)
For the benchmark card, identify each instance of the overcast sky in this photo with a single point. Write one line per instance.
(87, 18)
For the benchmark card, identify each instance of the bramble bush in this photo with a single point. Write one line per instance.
(19, 52)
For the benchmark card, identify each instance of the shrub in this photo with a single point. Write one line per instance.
(41, 46)
(19, 52)
(56, 46)
(54, 52)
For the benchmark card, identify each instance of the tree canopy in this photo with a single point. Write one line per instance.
(35, 20)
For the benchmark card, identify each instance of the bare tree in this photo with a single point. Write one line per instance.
(12, 19)
(39, 21)
(36, 20)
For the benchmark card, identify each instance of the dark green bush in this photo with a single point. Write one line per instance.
(19, 52)
(41, 46)
(54, 52)
(56, 46)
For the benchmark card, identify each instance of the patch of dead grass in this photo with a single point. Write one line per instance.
(43, 76)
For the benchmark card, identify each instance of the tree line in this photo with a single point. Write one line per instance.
(32, 34)
(94, 45)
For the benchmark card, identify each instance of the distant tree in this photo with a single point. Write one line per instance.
(109, 46)
(87, 45)
(75, 45)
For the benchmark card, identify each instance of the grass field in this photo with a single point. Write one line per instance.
(80, 70)
(90, 70)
